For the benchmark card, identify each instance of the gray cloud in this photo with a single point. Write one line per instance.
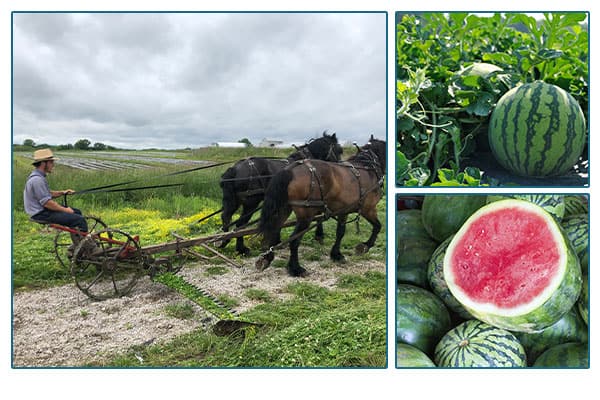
(174, 80)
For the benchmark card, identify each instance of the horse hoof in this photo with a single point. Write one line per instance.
(339, 259)
(298, 272)
(361, 248)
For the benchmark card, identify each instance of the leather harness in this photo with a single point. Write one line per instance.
(316, 181)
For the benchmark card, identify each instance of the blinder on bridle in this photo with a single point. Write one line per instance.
(333, 152)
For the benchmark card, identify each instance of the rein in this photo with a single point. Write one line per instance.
(103, 189)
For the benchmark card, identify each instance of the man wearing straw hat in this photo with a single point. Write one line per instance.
(38, 198)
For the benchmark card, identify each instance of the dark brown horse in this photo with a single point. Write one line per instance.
(245, 182)
(312, 187)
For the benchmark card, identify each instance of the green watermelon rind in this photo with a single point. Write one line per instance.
(547, 308)
(475, 344)
(566, 355)
(408, 356)
(435, 277)
(537, 130)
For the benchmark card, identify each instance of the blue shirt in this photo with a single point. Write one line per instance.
(36, 193)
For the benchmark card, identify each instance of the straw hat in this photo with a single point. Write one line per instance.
(43, 155)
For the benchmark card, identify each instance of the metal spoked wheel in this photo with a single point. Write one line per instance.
(107, 264)
(63, 242)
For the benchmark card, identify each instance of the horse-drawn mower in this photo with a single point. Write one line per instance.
(107, 263)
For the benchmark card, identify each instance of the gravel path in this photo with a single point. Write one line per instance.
(60, 326)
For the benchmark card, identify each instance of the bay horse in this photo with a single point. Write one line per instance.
(244, 184)
(313, 187)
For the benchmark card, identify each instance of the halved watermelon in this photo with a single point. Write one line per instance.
(511, 265)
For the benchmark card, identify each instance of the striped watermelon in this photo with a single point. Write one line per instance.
(435, 277)
(570, 328)
(414, 247)
(537, 130)
(408, 356)
(583, 304)
(552, 203)
(577, 228)
(443, 215)
(421, 318)
(477, 344)
(413, 254)
(409, 224)
(575, 205)
(511, 266)
(567, 355)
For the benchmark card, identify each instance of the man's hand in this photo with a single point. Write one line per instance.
(54, 206)
(58, 193)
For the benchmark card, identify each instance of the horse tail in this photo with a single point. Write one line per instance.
(275, 209)
(230, 201)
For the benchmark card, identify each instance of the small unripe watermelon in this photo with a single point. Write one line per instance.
(537, 130)
(479, 69)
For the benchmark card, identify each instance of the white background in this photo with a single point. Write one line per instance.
(390, 383)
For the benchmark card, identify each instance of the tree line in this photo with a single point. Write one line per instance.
(81, 144)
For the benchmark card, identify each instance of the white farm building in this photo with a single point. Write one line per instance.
(229, 144)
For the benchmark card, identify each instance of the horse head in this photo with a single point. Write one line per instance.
(325, 148)
(377, 148)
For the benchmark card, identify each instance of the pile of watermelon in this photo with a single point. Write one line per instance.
(493, 281)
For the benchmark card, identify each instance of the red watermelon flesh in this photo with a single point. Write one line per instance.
(506, 259)
(510, 265)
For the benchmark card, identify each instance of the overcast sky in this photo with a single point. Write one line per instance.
(176, 80)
